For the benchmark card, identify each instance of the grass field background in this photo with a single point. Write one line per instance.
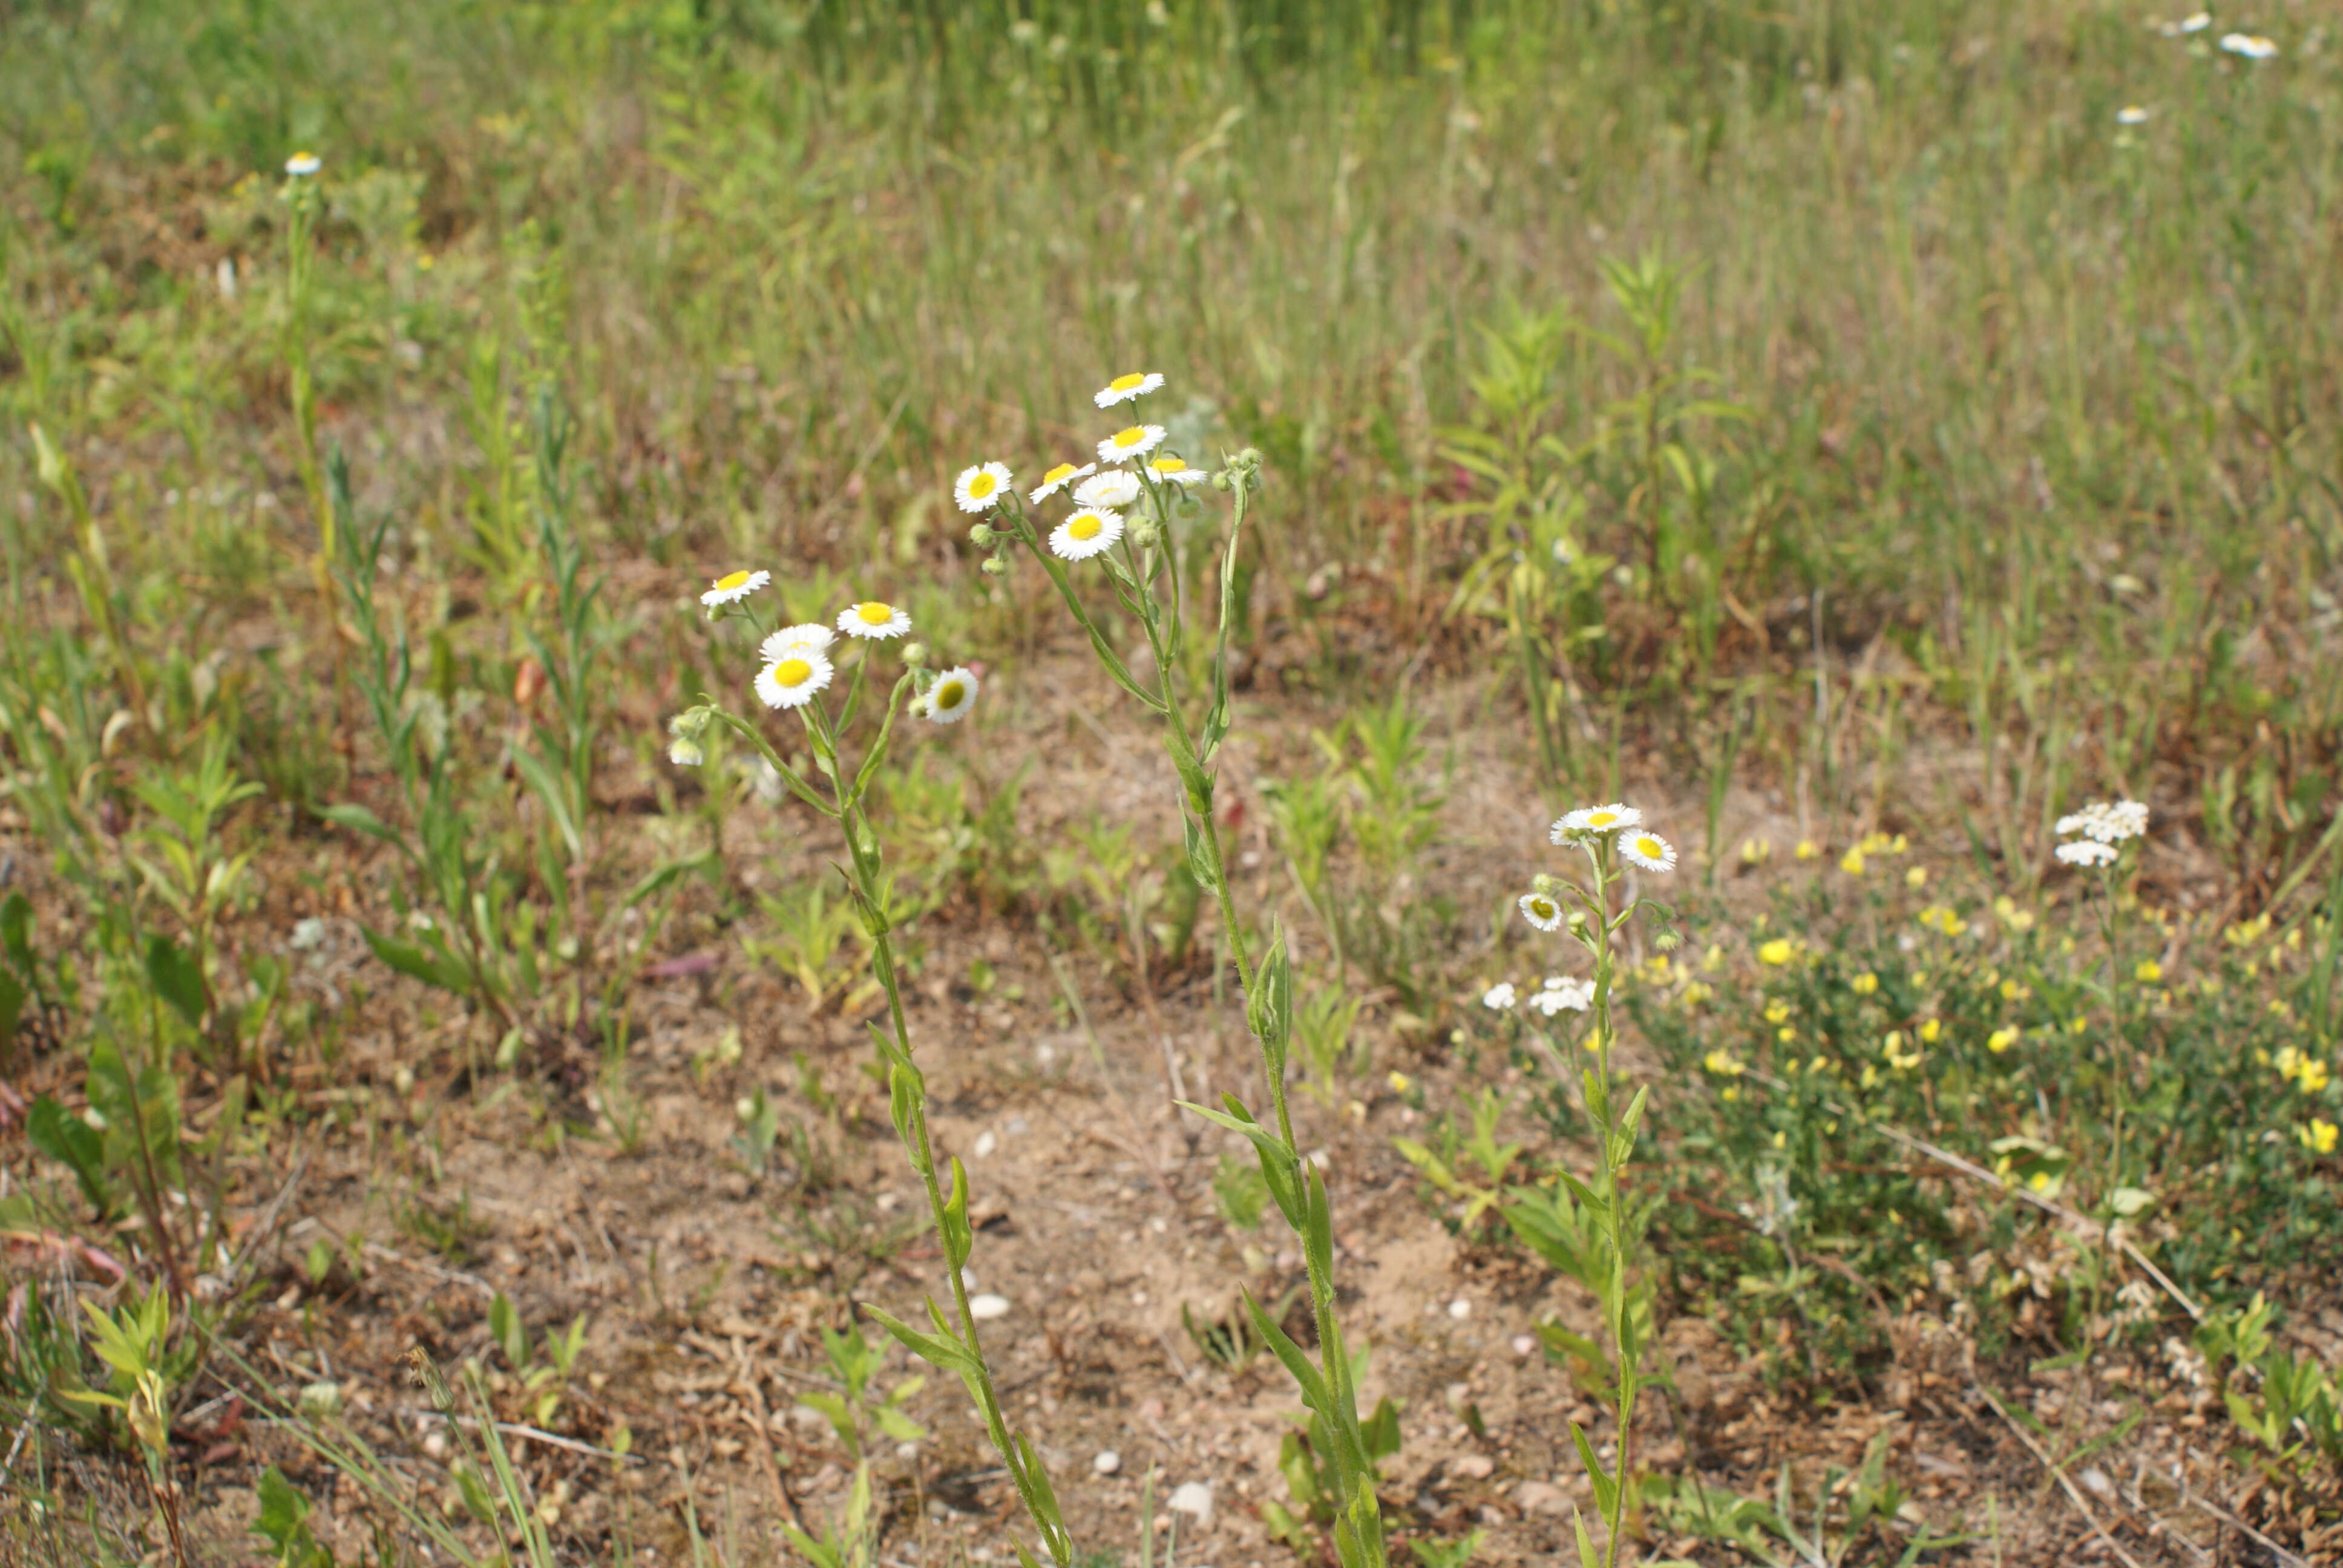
(1900, 422)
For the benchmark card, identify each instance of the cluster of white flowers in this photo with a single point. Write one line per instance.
(794, 664)
(1097, 524)
(2103, 826)
(1646, 849)
(1557, 995)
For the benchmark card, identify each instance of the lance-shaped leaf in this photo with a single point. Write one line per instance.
(1200, 858)
(1278, 1164)
(1312, 1385)
(1269, 1010)
(1606, 1490)
(952, 1221)
(946, 1353)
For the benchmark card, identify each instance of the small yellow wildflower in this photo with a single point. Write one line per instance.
(2001, 1039)
(2148, 971)
(1864, 984)
(1852, 862)
(1818, 1063)
(2318, 1137)
(1777, 1011)
(1931, 1030)
(1781, 1140)
(1756, 852)
(1400, 1082)
(2039, 1180)
(1807, 849)
(2079, 1025)
(1870, 1079)
(1786, 1034)
(2313, 1077)
(1730, 1091)
(1776, 951)
(1917, 878)
(1724, 1064)
(2012, 991)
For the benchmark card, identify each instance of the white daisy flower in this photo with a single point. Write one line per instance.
(2251, 45)
(953, 694)
(1498, 997)
(2087, 852)
(1608, 819)
(2197, 22)
(1649, 850)
(874, 620)
(1128, 389)
(302, 164)
(2131, 114)
(1111, 489)
(978, 488)
(1087, 533)
(1176, 469)
(1058, 478)
(793, 682)
(734, 587)
(1541, 911)
(806, 637)
(1134, 441)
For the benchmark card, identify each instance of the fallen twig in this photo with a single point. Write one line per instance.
(531, 1434)
(2057, 1474)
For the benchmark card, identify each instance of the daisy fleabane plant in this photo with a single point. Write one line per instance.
(1612, 837)
(808, 670)
(1120, 539)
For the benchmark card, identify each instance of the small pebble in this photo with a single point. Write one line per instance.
(1107, 1463)
(985, 1144)
(1473, 1466)
(1192, 1497)
(985, 1308)
(1524, 1344)
(1460, 1308)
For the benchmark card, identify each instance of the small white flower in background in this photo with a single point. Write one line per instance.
(1135, 441)
(309, 931)
(2087, 852)
(2108, 824)
(1112, 488)
(1176, 469)
(2251, 45)
(767, 782)
(1649, 850)
(1561, 995)
(2197, 22)
(302, 164)
(2131, 114)
(873, 620)
(980, 488)
(734, 587)
(1541, 911)
(806, 636)
(1594, 820)
(1498, 997)
(1088, 532)
(1128, 389)
(793, 682)
(1058, 478)
(952, 694)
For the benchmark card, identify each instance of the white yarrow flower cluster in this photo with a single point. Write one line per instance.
(1498, 997)
(2103, 826)
(1561, 995)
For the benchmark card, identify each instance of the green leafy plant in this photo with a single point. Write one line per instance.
(852, 1412)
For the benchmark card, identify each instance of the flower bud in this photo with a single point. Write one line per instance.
(1144, 534)
(691, 723)
(996, 567)
(1545, 883)
(981, 536)
(686, 753)
(915, 654)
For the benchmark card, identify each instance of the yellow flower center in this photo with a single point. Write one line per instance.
(1059, 475)
(1125, 383)
(1541, 908)
(1129, 438)
(873, 613)
(731, 580)
(950, 695)
(1169, 465)
(1650, 846)
(793, 673)
(981, 487)
(1601, 818)
(1084, 527)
